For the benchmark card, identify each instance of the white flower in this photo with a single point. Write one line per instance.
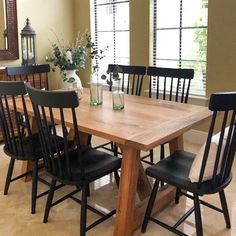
(69, 57)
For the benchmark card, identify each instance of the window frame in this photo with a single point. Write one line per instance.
(179, 60)
(95, 30)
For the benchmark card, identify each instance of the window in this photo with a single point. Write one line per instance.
(180, 38)
(110, 27)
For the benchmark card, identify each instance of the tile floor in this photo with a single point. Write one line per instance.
(16, 220)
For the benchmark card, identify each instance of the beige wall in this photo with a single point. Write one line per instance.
(221, 51)
(67, 17)
(2, 23)
(139, 32)
(82, 24)
(140, 35)
(221, 59)
(46, 17)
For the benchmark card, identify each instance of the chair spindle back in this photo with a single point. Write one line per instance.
(132, 78)
(55, 107)
(36, 75)
(221, 103)
(171, 83)
(11, 117)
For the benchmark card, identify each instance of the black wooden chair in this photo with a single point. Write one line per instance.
(175, 169)
(18, 146)
(36, 75)
(131, 83)
(168, 84)
(78, 166)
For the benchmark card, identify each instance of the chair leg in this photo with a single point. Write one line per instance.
(177, 195)
(9, 175)
(83, 212)
(34, 186)
(88, 190)
(151, 156)
(89, 140)
(49, 200)
(112, 145)
(149, 207)
(117, 178)
(115, 149)
(225, 209)
(162, 156)
(198, 219)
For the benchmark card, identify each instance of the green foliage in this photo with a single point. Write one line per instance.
(115, 76)
(201, 35)
(70, 56)
(95, 53)
(201, 39)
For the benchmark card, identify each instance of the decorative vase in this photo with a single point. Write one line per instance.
(118, 100)
(70, 80)
(118, 97)
(96, 90)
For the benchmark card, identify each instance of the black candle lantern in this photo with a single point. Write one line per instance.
(28, 44)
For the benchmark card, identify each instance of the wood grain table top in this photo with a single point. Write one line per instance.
(143, 124)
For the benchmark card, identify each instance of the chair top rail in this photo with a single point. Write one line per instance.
(170, 72)
(25, 70)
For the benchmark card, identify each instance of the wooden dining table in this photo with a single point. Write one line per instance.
(143, 124)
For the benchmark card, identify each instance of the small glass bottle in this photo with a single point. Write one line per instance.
(118, 97)
(96, 89)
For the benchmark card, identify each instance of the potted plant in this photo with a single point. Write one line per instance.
(69, 58)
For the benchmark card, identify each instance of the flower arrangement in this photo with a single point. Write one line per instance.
(70, 56)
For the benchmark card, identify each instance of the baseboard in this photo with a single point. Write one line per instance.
(195, 136)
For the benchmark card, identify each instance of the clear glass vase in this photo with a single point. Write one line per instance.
(118, 100)
(96, 90)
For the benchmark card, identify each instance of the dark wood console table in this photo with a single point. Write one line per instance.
(3, 75)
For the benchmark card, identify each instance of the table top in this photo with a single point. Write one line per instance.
(143, 124)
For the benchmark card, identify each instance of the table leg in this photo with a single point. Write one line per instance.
(144, 187)
(83, 136)
(127, 192)
(176, 144)
(129, 215)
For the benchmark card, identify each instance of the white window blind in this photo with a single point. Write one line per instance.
(110, 27)
(180, 38)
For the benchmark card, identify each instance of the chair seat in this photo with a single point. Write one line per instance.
(32, 148)
(175, 170)
(96, 164)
